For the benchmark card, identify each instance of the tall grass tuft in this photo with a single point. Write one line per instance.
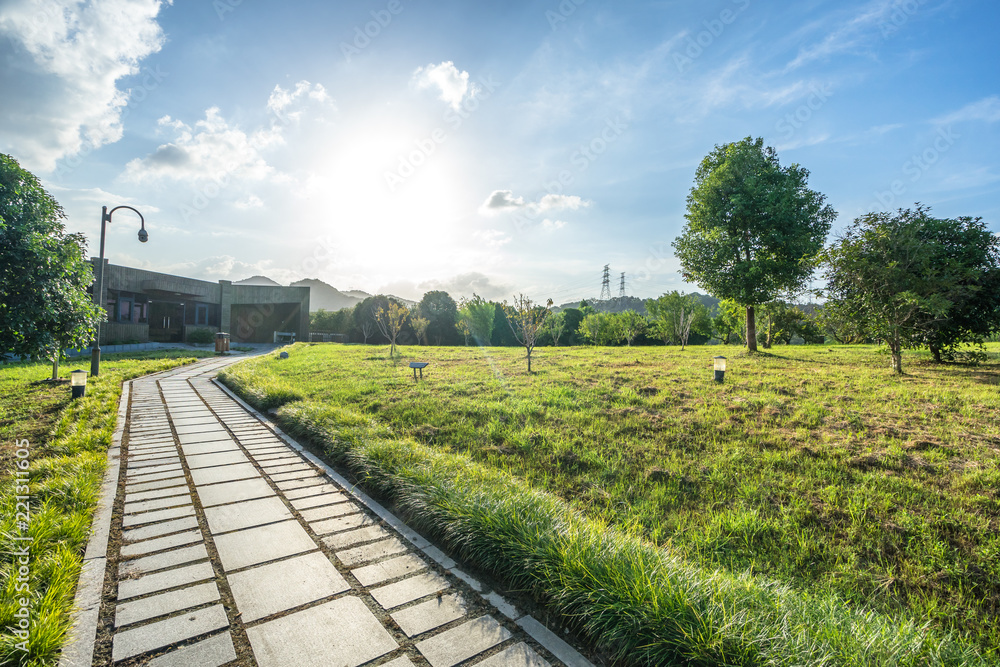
(635, 602)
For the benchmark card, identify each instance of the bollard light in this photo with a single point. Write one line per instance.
(720, 368)
(78, 381)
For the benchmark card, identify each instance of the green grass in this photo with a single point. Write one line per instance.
(68, 442)
(813, 474)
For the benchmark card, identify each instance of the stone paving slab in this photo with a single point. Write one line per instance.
(158, 529)
(463, 642)
(259, 545)
(229, 492)
(157, 503)
(165, 603)
(150, 486)
(163, 560)
(158, 515)
(216, 459)
(343, 633)
(161, 543)
(410, 589)
(317, 501)
(213, 652)
(346, 522)
(425, 616)
(370, 552)
(204, 476)
(394, 568)
(133, 642)
(357, 536)
(236, 516)
(329, 511)
(161, 581)
(269, 589)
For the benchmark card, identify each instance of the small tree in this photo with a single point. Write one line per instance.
(888, 274)
(556, 325)
(630, 326)
(479, 316)
(526, 320)
(390, 320)
(753, 227)
(420, 325)
(44, 274)
(463, 326)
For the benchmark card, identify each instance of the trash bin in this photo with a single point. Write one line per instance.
(222, 342)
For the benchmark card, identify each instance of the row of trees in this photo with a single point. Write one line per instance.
(755, 232)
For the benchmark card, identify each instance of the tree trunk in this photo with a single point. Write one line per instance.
(751, 330)
(896, 352)
(529, 360)
(936, 351)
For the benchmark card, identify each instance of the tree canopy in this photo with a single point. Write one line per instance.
(753, 227)
(44, 273)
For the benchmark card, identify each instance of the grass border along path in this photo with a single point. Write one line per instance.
(67, 443)
(634, 602)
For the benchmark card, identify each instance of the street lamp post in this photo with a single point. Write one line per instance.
(95, 353)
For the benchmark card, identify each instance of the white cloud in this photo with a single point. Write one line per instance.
(553, 225)
(857, 32)
(500, 201)
(452, 83)
(61, 72)
(986, 109)
(253, 201)
(280, 99)
(466, 284)
(212, 149)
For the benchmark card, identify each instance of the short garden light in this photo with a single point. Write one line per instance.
(78, 381)
(720, 368)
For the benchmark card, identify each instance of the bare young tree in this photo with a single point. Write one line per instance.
(526, 320)
(390, 320)
(367, 329)
(420, 325)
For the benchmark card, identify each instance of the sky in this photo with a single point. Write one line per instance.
(401, 146)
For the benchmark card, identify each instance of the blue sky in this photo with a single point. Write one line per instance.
(402, 146)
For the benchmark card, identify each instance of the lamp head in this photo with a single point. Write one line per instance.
(143, 235)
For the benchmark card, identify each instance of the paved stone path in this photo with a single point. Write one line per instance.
(239, 548)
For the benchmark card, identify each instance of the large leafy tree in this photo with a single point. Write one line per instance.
(44, 274)
(901, 276)
(441, 313)
(969, 249)
(478, 315)
(753, 227)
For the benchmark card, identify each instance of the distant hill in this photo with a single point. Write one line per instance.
(616, 305)
(258, 281)
(327, 297)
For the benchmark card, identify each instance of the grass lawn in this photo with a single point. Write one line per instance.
(812, 466)
(67, 445)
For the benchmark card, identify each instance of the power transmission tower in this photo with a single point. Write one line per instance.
(621, 288)
(606, 284)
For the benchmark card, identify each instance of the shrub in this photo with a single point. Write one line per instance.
(201, 336)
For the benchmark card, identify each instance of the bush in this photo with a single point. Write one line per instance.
(201, 336)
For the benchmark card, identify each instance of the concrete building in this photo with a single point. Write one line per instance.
(145, 306)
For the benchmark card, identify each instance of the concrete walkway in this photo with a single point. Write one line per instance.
(237, 547)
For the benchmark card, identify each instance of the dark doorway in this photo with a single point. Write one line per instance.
(166, 322)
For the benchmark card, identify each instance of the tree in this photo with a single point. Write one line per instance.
(479, 316)
(441, 312)
(420, 325)
(555, 326)
(675, 314)
(364, 315)
(966, 246)
(630, 325)
(889, 272)
(753, 227)
(390, 320)
(526, 320)
(44, 274)
(730, 320)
